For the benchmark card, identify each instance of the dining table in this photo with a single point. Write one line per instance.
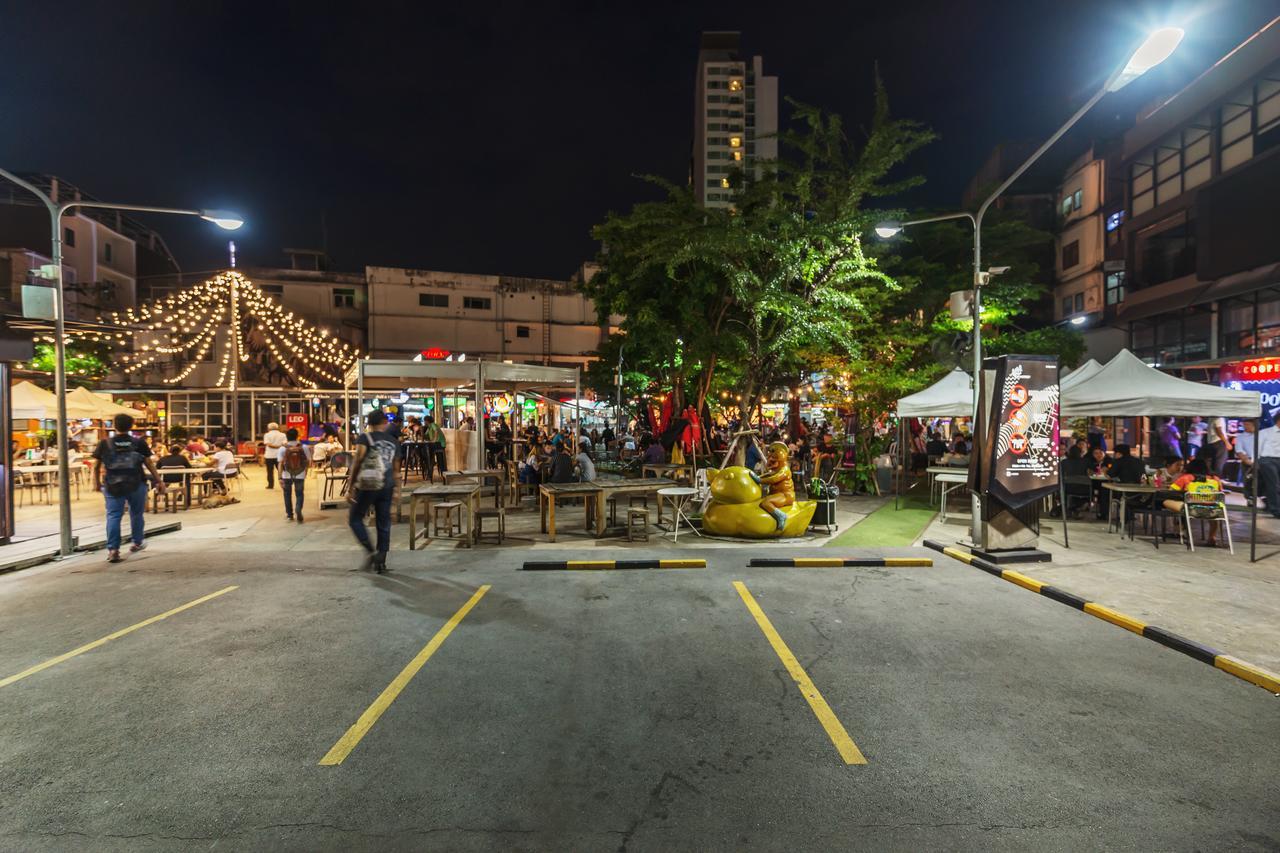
(421, 498)
(674, 470)
(187, 474)
(1124, 490)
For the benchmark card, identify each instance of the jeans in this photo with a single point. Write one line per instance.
(137, 503)
(1267, 470)
(271, 472)
(381, 503)
(291, 488)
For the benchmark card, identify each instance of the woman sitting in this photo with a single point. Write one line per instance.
(1197, 480)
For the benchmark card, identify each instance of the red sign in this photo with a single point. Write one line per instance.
(1251, 370)
(296, 421)
(436, 354)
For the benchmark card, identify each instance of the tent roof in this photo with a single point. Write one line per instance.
(29, 400)
(1080, 374)
(1129, 387)
(949, 397)
(81, 401)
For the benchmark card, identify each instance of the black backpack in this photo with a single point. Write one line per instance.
(122, 468)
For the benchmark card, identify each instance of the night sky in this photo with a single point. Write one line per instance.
(490, 137)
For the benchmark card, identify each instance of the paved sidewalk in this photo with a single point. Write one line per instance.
(1210, 595)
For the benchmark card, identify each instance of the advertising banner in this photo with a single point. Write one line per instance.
(1022, 436)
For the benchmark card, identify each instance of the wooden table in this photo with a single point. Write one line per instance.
(44, 477)
(662, 469)
(547, 494)
(424, 496)
(498, 475)
(1126, 489)
(618, 488)
(187, 475)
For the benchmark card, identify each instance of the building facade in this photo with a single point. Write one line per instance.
(735, 118)
(1193, 261)
(104, 252)
(503, 318)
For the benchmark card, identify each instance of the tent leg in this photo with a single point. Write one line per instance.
(1253, 510)
(1062, 499)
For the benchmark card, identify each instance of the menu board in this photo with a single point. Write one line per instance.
(1023, 430)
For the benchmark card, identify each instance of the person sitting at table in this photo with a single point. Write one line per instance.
(1196, 479)
(531, 468)
(222, 458)
(174, 459)
(585, 467)
(1126, 468)
(562, 465)
(1098, 460)
(197, 447)
(325, 447)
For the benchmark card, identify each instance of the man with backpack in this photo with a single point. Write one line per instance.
(371, 483)
(121, 472)
(295, 459)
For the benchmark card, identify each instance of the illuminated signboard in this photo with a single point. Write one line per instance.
(1022, 437)
(1256, 374)
(436, 354)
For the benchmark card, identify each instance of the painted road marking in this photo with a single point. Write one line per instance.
(844, 744)
(340, 750)
(605, 565)
(838, 562)
(87, 647)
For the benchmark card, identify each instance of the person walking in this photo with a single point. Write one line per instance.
(371, 483)
(274, 439)
(1216, 442)
(295, 459)
(123, 466)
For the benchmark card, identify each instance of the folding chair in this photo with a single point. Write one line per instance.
(335, 476)
(1210, 507)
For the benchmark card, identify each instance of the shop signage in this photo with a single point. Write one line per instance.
(296, 420)
(1256, 374)
(1023, 430)
(436, 354)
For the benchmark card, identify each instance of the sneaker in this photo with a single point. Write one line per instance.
(288, 518)
(113, 556)
(141, 546)
(299, 518)
(380, 563)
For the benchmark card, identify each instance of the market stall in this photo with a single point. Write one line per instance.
(949, 397)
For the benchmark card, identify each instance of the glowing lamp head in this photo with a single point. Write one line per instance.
(1077, 321)
(885, 230)
(1156, 49)
(223, 219)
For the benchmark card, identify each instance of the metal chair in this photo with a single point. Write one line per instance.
(1210, 507)
(336, 473)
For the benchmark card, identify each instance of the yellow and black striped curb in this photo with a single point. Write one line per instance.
(1205, 654)
(832, 562)
(598, 565)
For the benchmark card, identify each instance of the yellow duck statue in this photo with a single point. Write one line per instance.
(740, 506)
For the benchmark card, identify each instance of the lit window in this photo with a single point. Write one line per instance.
(1077, 200)
(735, 85)
(724, 182)
(737, 155)
(735, 141)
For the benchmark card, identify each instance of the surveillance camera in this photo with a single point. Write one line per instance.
(998, 270)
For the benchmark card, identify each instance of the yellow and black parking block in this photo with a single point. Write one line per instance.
(1199, 651)
(837, 562)
(606, 565)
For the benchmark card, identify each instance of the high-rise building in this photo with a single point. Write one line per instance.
(735, 118)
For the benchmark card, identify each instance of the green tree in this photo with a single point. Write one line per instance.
(760, 287)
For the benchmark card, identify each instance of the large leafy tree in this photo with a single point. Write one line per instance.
(758, 288)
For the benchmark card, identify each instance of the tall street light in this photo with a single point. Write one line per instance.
(1159, 45)
(222, 218)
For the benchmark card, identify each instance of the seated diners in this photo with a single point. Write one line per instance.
(586, 468)
(1197, 479)
(1125, 468)
(562, 464)
(222, 458)
(325, 447)
(174, 459)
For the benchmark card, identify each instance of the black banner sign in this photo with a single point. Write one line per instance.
(1021, 444)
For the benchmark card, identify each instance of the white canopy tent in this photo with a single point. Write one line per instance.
(81, 400)
(31, 402)
(1074, 377)
(949, 397)
(1128, 387)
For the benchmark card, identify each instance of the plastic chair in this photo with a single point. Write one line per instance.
(1210, 507)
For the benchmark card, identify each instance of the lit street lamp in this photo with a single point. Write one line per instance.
(222, 218)
(1155, 49)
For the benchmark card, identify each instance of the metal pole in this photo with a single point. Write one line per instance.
(1253, 510)
(478, 436)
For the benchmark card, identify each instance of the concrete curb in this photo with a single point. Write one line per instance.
(81, 547)
(1244, 670)
(605, 565)
(831, 562)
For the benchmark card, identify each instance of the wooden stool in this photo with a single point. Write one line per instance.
(200, 489)
(452, 518)
(172, 494)
(637, 531)
(500, 513)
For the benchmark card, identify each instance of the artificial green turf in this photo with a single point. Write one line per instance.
(887, 527)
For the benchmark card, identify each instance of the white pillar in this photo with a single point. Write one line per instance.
(477, 440)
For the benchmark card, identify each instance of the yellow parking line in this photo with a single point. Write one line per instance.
(360, 728)
(844, 744)
(87, 647)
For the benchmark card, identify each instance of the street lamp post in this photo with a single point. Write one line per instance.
(1157, 47)
(223, 219)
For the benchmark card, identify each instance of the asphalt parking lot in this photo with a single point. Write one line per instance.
(471, 705)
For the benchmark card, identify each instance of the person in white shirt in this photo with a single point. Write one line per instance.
(274, 439)
(1267, 468)
(324, 448)
(1215, 446)
(222, 459)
